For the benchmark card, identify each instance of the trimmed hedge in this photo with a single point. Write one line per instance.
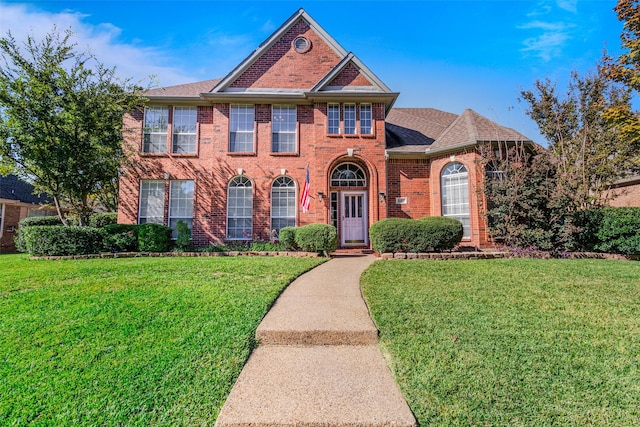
(58, 240)
(317, 238)
(183, 242)
(410, 235)
(21, 245)
(612, 230)
(154, 238)
(102, 219)
(287, 238)
(121, 237)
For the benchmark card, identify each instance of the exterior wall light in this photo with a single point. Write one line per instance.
(320, 195)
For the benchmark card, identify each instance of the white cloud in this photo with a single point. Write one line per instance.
(549, 37)
(568, 5)
(132, 60)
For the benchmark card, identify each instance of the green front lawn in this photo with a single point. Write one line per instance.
(137, 341)
(512, 342)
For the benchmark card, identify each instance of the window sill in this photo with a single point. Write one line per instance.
(184, 154)
(145, 154)
(283, 154)
(241, 154)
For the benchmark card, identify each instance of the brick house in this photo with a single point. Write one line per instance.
(17, 202)
(231, 156)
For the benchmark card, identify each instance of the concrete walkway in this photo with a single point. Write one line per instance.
(318, 363)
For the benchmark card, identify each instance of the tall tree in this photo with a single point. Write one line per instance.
(61, 121)
(590, 150)
(626, 69)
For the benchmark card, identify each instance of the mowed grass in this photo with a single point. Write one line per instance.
(145, 341)
(512, 342)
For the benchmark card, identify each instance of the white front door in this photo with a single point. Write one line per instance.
(354, 218)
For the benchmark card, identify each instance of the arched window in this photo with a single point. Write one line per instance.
(348, 175)
(454, 182)
(240, 208)
(283, 204)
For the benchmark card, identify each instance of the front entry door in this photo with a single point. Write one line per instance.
(354, 218)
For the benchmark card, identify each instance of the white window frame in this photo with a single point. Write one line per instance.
(284, 124)
(156, 129)
(160, 188)
(288, 194)
(454, 195)
(2, 205)
(366, 119)
(184, 118)
(350, 123)
(333, 119)
(240, 188)
(241, 123)
(180, 208)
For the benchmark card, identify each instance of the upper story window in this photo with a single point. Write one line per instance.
(184, 130)
(283, 128)
(156, 120)
(151, 202)
(349, 119)
(365, 119)
(333, 118)
(241, 127)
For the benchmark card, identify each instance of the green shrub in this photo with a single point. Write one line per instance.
(102, 219)
(409, 235)
(121, 237)
(619, 231)
(183, 241)
(317, 238)
(56, 240)
(154, 238)
(287, 238)
(21, 245)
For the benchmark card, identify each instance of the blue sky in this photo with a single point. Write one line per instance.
(449, 55)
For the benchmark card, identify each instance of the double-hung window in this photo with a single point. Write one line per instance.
(365, 119)
(283, 128)
(240, 209)
(151, 202)
(283, 203)
(180, 204)
(156, 120)
(454, 182)
(333, 119)
(241, 125)
(184, 130)
(349, 119)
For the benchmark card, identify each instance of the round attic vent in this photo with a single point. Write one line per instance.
(301, 44)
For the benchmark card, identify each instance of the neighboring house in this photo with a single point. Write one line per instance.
(230, 156)
(626, 192)
(17, 201)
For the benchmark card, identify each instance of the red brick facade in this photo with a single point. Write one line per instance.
(395, 185)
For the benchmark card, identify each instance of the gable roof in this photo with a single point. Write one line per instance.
(226, 82)
(13, 188)
(430, 131)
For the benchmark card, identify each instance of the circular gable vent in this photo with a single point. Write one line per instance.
(301, 44)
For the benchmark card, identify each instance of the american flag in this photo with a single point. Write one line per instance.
(304, 199)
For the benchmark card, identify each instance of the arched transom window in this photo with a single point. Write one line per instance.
(283, 203)
(348, 175)
(240, 208)
(454, 182)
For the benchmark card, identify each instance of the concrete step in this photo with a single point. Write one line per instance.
(322, 307)
(315, 386)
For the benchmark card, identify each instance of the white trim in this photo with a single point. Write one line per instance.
(2, 214)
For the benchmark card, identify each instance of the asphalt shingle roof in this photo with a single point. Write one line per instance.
(189, 90)
(12, 188)
(415, 129)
